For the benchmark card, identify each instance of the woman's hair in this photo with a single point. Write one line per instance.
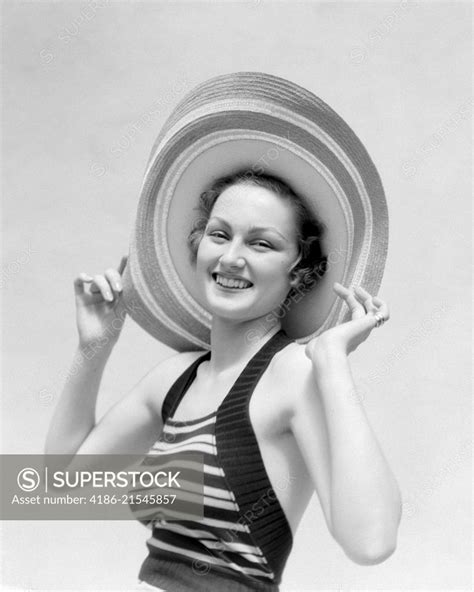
(311, 264)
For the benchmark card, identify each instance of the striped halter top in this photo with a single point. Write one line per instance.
(243, 541)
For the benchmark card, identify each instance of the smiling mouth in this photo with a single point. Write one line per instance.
(230, 283)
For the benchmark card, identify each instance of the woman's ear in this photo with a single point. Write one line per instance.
(295, 276)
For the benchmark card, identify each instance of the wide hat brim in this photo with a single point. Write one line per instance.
(265, 124)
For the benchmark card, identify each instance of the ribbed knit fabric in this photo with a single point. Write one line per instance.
(198, 556)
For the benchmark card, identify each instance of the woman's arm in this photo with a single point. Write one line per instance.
(358, 492)
(74, 416)
(365, 502)
(128, 427)
(365, 498)
(127, 430)
(131, 425)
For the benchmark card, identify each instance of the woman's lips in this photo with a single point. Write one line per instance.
(233, 284)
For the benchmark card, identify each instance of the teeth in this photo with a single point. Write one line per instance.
(231, 283)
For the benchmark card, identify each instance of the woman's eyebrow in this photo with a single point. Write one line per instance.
(263, 228)
(252, 228)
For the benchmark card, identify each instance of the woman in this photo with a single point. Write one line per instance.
(253, 245)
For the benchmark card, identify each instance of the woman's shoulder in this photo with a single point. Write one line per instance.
(287, 380)
(292, 357)
(164, 374)
(291, 368)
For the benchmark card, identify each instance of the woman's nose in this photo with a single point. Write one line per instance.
(232, 257)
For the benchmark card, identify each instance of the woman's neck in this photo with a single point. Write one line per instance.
(234, 344)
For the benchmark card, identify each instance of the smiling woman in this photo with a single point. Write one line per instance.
(252, 228)
(270, 407)
(305, 228)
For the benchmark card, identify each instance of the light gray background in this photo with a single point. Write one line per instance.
(86, 87)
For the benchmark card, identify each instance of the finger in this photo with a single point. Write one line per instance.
(373, 304)
(365, 298)
(377, 301)
(123, 264)
(88, 279)
(362, 292)
(382, 307)
(340, 289)
(97, 298)
(114, 278)
(79, 283)
(356, 308)
(104, 287)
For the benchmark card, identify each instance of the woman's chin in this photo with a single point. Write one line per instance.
(228, 310)
(228, 305)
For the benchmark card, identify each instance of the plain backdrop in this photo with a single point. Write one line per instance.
(86, 87)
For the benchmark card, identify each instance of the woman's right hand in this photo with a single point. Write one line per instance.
(100, 311)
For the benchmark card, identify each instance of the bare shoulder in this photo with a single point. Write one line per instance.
(291, 362)
(161, 378)
(292, 371)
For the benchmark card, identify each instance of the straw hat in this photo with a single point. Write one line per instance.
(265, 124)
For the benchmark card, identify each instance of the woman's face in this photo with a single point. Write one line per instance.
(246, 253)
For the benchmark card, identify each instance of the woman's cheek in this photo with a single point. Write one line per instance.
(206, 249)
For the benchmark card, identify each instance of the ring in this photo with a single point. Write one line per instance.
(380, 320)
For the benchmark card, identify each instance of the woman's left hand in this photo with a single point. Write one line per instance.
(349, 335)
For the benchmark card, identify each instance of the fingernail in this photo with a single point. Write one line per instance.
(109, 296)
(118, 287)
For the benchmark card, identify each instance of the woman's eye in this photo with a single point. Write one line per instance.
(263, 244)
(217, 234)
